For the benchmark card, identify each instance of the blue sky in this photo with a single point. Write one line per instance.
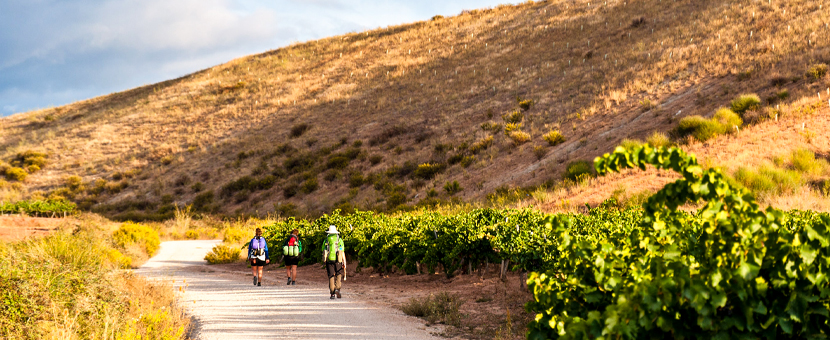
(55, 52)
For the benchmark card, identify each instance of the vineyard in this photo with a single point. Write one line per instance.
(48, 208)
(731, 269)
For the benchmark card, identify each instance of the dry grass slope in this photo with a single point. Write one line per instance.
(346, 121)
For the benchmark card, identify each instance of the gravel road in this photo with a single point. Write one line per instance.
(227, 306)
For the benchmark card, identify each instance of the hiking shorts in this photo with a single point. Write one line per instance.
(334, 268)
(292, 260)
(255, 262)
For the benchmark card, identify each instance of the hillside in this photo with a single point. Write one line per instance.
(381, 118)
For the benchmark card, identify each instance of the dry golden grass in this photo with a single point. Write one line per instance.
(587, 66)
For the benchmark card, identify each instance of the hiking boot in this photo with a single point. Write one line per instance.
(293, 282)
(337, 292)
(259, 283)
(289, 281)
(332, 296)
(255, 280)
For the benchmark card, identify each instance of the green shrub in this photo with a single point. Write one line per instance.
(234, 235)
(554, 138)
(14, 173)
(191, 235)
(481, 144)
(166, 160)
(355, 179)
(428, 170)
(745, 102)
(203, 201)
(467, 161)
(700, 128)
(375, 159)
(728, 119)
(526, 104)
(769, 180)
(540, 151)
(578, 169)
(646, 105)
(519, 137)
(136, 234)
(117, 258)
(630, 144)
(222, 253)
(309, 186)
(492, 127)
(337, 162)
(817, 71)
(805, 161)
(514, 117)
(29, 158)
(510, 127)
(658, 139)
(290, 190)
(298, 130)
(440, 308)
(452, 188)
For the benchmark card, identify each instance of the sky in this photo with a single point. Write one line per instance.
(54, 52)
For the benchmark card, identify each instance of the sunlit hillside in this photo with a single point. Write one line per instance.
(397, 115)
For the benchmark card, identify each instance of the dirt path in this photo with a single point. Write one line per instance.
(227, 306)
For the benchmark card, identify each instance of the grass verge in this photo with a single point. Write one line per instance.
(70, 286)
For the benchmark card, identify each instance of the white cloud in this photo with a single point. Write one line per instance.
(56, 51)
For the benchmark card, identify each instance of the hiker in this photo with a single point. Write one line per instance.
(335, 259)
(258, 255)
(291, 248)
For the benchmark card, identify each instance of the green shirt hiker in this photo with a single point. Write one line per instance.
(335, 259)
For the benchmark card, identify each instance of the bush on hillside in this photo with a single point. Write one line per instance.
(519, 137)
(452, 188)
(630, 144)
(298, 130)
(540, 151)
(222, 253)
(817, 71)
(554, 138)
(309, 186)
(202, 201)
(805, 161)
(700, 128)
(728, 119)
(658, 139)
(136, 234)
(467, 161)
(492, 127)
(481, 144)
(428, 170)
(745, 102)
(29, 159)
(526, 104)
(508, 128)
(514, 117)
(769, 180)
(14, 173)
(578, 169)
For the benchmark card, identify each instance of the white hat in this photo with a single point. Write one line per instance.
(332, 230)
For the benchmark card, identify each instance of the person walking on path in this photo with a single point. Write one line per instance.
(292, 247)
(335, 260)
(258, 255)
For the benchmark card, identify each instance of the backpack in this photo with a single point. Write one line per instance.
(332, 248)
(292, 246)
(258, 246)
